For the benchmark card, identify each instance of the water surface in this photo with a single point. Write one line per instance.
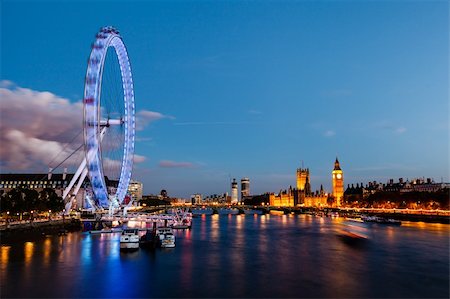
(237, 256)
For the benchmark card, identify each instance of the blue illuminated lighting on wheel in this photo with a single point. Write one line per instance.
(105, 38)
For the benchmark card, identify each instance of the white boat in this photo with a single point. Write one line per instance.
(129, 239)
(165, 237)
(381, 220)
(353, 232)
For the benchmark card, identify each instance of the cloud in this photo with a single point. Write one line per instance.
(145, 117)
(329, 133)
(139, 158)
(400, 130)
(6, 84)
(389, 126)
(38, 128)
(173, 164)
(23, 151)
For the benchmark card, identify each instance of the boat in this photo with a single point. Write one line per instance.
(148, 240)
(381, 220)
(129, 240)
(182, 219)
(389, 221)
(353, 232)
(252, 212)
(165, 237)
(181, 226)
(359, 220)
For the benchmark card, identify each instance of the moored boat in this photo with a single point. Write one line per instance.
(148, 240)
(381, 220)
(129, 240)
(165, 237)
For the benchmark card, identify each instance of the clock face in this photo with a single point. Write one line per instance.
(339, 176)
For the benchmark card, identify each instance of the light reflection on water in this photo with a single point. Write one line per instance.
(237, 256)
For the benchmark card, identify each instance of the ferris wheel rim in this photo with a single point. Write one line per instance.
(107, 37)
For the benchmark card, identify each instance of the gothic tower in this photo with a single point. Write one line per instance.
(338, 183)
(302, 178)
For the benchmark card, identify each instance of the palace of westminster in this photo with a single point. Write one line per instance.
(302, 195)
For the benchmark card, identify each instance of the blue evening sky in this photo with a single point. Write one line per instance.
(254, 88)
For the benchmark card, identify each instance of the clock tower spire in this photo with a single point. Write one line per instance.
(337, 179)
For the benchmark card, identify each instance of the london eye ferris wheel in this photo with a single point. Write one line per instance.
(109, 117)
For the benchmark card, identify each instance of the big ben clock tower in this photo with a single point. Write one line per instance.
(338, 183)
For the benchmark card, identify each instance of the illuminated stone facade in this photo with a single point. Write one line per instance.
(302, 178)
(337, 178)
(320, 200)
(286, 198)
(302, 195)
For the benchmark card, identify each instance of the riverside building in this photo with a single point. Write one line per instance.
(245, 188)
(58, 182)
(234, 192)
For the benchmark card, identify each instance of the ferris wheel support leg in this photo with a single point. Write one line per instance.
(75, 191)
(75, 178)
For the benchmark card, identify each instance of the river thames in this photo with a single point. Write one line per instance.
(237, 256)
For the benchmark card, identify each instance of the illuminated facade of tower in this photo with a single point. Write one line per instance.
(338, 183)
(234, 192)
(245, 188)
(302, 178)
